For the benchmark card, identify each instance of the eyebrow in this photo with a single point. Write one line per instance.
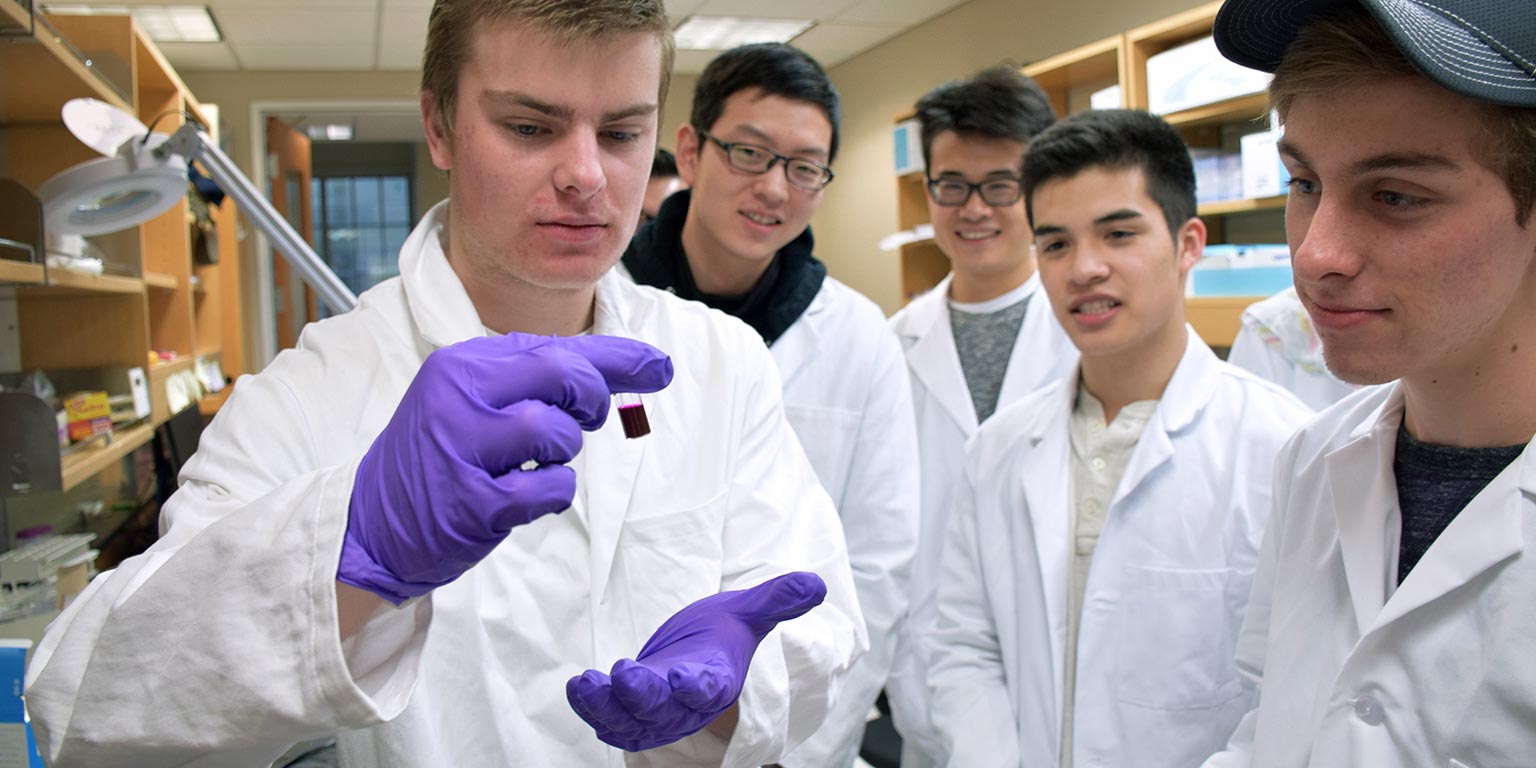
(1124, 214)
(757, 134)
(562, 112)
(1389, 161)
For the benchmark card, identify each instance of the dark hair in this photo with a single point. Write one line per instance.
(775, 69)
(1116, 139)
(997, 103)
(664, 164)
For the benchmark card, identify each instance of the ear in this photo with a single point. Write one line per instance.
(1191, 244)
(687, 153)
(439, 142)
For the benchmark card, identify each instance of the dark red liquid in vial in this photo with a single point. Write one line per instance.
(634, 420)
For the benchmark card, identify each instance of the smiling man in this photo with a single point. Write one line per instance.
(1104, 531)
(1392, 616)
(756, 155)
(980, 340)
(418, 530)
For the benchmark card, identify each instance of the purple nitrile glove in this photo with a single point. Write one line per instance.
(442, 484)
(692, 669)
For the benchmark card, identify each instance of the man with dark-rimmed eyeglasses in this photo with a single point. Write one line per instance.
(981, 339)
(756, 155)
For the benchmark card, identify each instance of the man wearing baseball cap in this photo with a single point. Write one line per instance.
(1393, 618)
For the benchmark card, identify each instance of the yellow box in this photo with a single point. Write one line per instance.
(88, 413)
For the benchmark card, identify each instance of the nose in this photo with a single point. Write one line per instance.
(1088, 266)
(772, 186)
(1323, 241)
(975, 209)
(579, 168)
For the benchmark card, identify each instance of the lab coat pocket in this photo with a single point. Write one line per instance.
(827, 435)
(673, 559)
(1178, 634)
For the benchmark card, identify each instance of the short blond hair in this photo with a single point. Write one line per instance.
(1350, 47)
(451, 27)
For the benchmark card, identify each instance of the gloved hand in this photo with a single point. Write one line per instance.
(692, 668)
(442, 485)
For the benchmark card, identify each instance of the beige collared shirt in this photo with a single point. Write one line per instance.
(1100, 454)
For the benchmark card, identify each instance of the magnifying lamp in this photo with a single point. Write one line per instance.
(143, 174)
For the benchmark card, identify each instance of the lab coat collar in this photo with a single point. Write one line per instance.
(1189, 391)
(443, 311)
(800, 342)
(445, 315)
(935, 360)
(1487, 532)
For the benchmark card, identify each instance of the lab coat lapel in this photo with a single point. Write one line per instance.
(1487, 532)
(1363, 502)
(1048, 496)
(1191, 387)
(798, 345)
(1035, 350)
(937, 363)
(620, 312)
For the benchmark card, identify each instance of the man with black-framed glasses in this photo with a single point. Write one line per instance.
(756, 155)
(981, 339)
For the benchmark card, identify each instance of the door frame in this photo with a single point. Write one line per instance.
(261, 333)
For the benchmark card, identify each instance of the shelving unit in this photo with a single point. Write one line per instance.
(72, 320)
(1069, 79)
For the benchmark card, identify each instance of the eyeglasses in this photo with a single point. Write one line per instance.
(808, 175)
(999, 192)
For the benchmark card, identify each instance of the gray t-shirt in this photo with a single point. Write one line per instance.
(984, 337)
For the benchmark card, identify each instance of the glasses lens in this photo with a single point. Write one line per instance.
(950, 192)
(749, 158)
(806, 175)
(1001, 193)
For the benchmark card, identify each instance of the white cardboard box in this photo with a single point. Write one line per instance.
(1194, 74)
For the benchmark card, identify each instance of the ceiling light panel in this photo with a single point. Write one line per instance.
(718, 33)
(163, 23)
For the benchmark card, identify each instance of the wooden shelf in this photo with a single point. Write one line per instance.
(63, 282)
(1218, 319)
(210, 404)
(181, 363)
(1253, 107)
(161, 281)
(43, 73)
(86, 462)
(1245, 205)
(20, 272)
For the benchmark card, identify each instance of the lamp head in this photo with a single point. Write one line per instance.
(128, 187)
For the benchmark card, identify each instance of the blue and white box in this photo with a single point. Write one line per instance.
(1241, 270)
(908, 145)
(1195, 74)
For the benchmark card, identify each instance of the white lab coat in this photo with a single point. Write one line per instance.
(1156, 683)
(219, 646)
(946, 419)
(847, 395)
(1352, 673)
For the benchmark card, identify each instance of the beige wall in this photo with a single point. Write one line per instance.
(882, 84)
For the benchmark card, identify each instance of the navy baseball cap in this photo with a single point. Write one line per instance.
(1485, 49)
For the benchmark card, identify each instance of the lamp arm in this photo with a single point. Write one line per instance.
(193, 144)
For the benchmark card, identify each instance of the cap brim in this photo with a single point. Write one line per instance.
(1256, 34)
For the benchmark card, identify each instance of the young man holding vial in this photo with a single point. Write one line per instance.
(419, 527)
(1103, 533)
(756, 155)
(980, 340)
(1392, 617)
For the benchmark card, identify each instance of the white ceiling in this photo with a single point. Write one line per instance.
(388, 34)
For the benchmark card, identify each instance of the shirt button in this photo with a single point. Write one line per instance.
(1368, 710)
(1096, 427)
(1090, 506)
(1098, 464)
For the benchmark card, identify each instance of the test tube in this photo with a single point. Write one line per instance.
(632, 415)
